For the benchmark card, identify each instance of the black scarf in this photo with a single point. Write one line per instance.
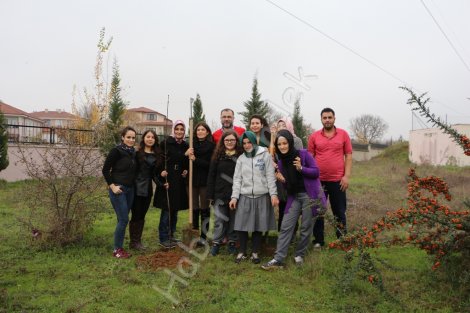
(126, 148)
(292, 175)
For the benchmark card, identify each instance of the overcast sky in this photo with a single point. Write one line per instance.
(215, 48)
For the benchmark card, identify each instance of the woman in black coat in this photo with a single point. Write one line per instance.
(149, 158)
(219, 189)
(200, 154)
(173, 171)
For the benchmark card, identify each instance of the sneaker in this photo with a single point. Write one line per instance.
(316, 245)
(168, 244)
(255, 258)
(240, 257)
(299, 260)
(272, 265)
(120, 253)
(232, 248)
(215, 249)
(201, 242)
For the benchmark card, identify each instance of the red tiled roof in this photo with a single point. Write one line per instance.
(144, 110)
(8, 109)
(155, 123)
(54, 115)
(11, 110)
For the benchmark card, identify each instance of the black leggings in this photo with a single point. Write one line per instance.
(140, 206)
(256, 237)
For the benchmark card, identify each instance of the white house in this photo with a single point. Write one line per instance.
(31, 126)
(433, 146)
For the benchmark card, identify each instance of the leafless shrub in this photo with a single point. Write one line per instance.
(64, 193)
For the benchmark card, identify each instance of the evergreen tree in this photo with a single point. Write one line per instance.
(298, 122)
(3, 143)
(117, 108)
(198, 114)
(254, 106)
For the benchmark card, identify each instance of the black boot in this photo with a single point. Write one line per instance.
(205, 221)
(132, 235)
(135, 230)
(196, 213)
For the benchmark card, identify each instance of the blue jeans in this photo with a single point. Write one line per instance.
(338, 206)
(122, 204)
(163, 227)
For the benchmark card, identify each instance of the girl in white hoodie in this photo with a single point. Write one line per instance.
(254, 194)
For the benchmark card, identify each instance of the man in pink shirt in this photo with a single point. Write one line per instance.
(226, 119)
(332, 149)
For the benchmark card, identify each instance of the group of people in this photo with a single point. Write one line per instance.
(242, 174)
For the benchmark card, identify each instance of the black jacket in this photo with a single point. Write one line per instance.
(203, 153)
(146, 172)
(220, 178)
(119, 167)
(176, 163)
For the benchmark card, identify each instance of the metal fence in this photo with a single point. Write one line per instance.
(48, 135)
(56, 135)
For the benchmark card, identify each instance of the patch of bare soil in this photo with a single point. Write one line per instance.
(165, 258)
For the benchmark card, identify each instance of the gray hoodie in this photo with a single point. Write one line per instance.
(254, 176)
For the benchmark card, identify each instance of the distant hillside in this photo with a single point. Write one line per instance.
(397, 152)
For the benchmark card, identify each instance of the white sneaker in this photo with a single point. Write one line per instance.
(317, 246)
(299, 260)
(271, 265)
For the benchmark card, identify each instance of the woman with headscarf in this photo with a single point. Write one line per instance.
(254, 194)
(299, 173)
(286, 123)
(174, 171)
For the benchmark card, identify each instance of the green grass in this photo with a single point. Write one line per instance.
(85, 278)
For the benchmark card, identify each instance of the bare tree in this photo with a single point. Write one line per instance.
(273, 115)
(367, 128)
(65, 191)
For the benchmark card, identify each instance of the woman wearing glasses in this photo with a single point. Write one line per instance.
(219, 190)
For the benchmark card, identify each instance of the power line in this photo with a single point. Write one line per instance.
(353, 51)
(454, 35)
(445, 35)
(420, 121)
(337, 42)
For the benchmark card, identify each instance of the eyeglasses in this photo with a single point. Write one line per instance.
(230, 140)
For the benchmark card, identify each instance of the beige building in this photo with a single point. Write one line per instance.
(144, 118)
(432, 146)
(58, 118)
(31, 126)
(54, 121)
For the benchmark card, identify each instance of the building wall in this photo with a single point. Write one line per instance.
(361, 155)
(16, 170)
(432, 146)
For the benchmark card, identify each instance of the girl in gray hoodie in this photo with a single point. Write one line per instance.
(254, 194)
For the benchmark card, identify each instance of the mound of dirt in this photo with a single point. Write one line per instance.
(161, 259)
